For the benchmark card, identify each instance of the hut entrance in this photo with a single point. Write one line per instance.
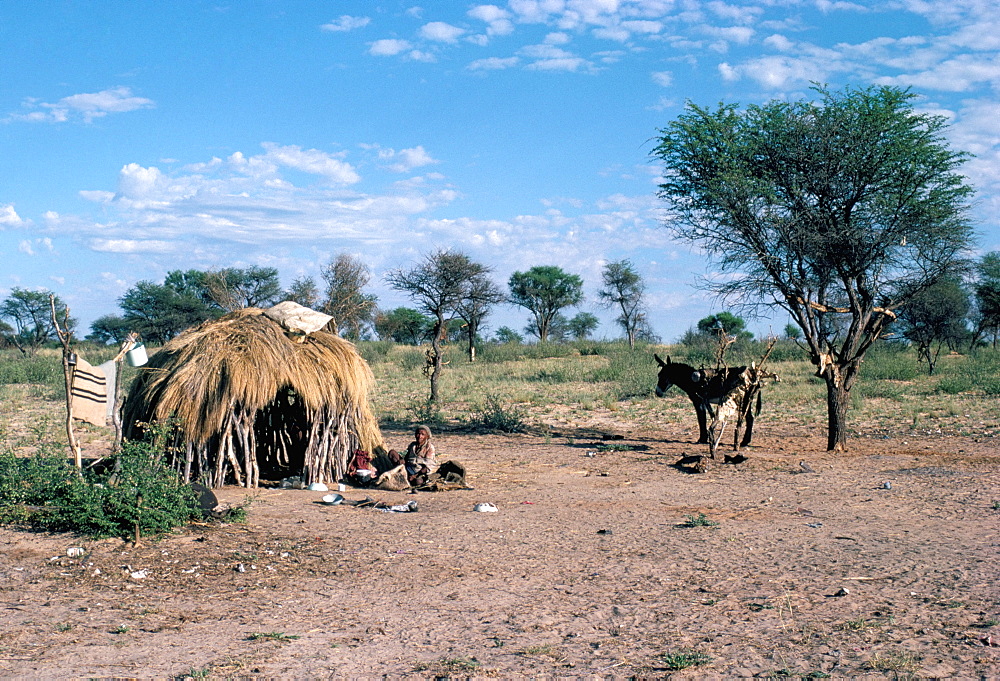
(281, 432)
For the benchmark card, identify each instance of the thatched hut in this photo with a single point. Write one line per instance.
(245, 398)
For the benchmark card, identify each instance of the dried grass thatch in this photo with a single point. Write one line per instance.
(247, 398)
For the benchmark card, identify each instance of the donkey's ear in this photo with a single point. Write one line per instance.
(660, 361)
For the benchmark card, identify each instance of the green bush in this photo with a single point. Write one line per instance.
(374, 352)
(631, 373)
(890, 362)
(137, 490)
(496, 415)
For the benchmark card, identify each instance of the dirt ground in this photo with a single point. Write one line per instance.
(585, 570)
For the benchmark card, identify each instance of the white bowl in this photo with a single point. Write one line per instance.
(332, 499)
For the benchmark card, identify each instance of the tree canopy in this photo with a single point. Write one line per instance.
(545, 291)
(624, 288)
(837, 210)
(345, 299)
(29, 314)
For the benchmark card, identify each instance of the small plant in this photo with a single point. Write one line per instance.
(538, 650)
(905, 662)
(63, 626)
(614, 447)
(858, 624)
(996, 505)
(120, 629)
(684, 658)
(272, 636)
(496, 415)
(700, 520)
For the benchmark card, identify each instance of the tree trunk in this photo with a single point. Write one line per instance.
(436, 359)
(838, 398)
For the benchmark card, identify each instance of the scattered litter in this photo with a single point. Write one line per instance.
(589, 454)
(332, 499)
(140, 574)
(886, 485)
(842, 592)
(241, 568)
(318, 487)
(484, 508)
(409, 507)
(814, 525)
(605, 532)
(74, 551)
(294, 482)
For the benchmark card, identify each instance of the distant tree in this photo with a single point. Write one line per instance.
(352, 309)
(108, 329)
(987, 291)
(733, 325)
(840, 209)
(158, 312)
(545, 291)
(792, 332)
(304, 292)
(936, 318)
(30, 317)
(234, 288)
(191, 283)
(438, 284)
(582, 325)
(403, 325)
(505, 334)
(480, 297)
(624, 288)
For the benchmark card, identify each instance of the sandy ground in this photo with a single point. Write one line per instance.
(586, 570)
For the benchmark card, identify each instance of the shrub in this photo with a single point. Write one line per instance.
(374, 352)
(136, 491)
(890, 362)
(496, 415)
(632, 373)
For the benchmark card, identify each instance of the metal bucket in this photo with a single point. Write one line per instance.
(136, 357)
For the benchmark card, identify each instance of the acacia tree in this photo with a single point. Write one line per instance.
(438, 285)
(304, 292)
(988, 296)
(838, 211)
(351, 308)
(234, 288)
(936, 318)
(624, 287)
(476, 305)
(30, 314)
(402, 325)
(545, 291)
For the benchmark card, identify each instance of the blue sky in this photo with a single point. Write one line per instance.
(142, 137)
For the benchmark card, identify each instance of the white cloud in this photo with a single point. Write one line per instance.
(133, 246)
(388, 47)
(552, 58)
(663, 78)
(85, 106)
(497, 20)
(493, 64)
(346, 23)
(407, 159)
(8, 216)
(312, 161)
(440, 31)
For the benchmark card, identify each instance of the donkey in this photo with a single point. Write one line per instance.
(707, 388)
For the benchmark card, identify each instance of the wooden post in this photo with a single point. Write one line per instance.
(116, 417)
(69, 367)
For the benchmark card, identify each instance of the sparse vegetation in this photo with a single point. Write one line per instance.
(272, 636)
(684, 658)
(700, 520)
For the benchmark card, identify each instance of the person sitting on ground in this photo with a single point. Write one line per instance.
(420, 458)
(361, 470)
